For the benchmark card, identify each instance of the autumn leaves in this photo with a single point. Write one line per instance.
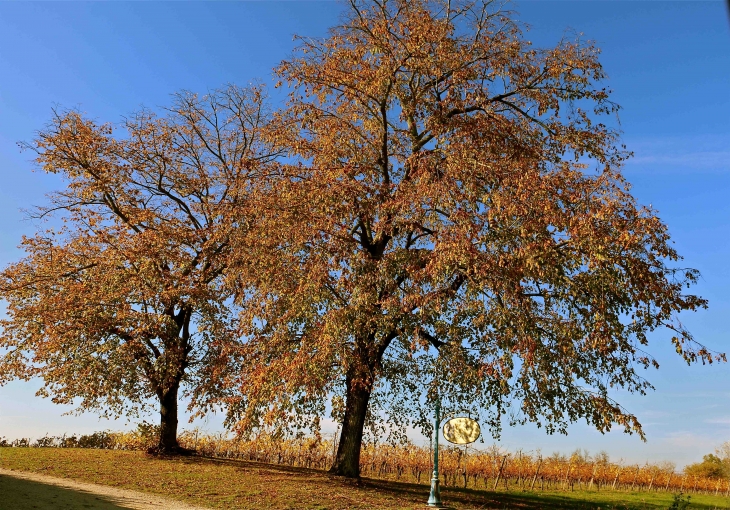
(126, 301)
(427, 180)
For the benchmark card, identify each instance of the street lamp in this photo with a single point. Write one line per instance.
(460, 430)
(434, 498)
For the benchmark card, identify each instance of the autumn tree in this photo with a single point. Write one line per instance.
(450, 186)
(124, 302)
(711, 466)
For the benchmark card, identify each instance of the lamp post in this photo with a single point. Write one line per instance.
(459, 430)
(434, 498)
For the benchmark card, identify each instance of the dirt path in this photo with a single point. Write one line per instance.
(20, 490)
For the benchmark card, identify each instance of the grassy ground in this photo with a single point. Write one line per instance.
(226, 484)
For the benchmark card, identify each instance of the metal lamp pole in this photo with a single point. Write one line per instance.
(434, 498)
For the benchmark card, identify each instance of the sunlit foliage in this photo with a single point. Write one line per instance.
(124, 301)
(450, 186)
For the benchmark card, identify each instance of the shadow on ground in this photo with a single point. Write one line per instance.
(484, 499)
(20, 494)
(463, 499)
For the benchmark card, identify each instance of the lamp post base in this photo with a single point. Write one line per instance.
(434, 499)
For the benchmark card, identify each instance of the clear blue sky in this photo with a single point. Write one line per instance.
(669, 66)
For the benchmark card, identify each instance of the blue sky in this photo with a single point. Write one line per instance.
(669, 67)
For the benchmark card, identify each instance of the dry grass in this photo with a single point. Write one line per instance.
(229, 484)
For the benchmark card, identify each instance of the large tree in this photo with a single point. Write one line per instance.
(452, 187)
(124, 302)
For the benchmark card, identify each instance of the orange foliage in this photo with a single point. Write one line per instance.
(449, 186)
(120, 303)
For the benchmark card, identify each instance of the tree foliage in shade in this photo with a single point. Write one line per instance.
(450, 186)
(125, 301)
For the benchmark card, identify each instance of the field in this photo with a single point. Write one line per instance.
(492, 468)
(230, 484)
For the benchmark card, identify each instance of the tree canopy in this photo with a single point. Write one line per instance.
(711, 466)
(449, 186)
(125, 301)
(715, 465)
(438, 212)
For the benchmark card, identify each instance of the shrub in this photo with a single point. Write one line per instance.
(680, 502)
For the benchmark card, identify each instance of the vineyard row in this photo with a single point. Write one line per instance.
(492, 469)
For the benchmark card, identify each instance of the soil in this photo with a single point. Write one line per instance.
(20, 490)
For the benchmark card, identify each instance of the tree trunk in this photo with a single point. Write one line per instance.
(168, 421)
(357, 397)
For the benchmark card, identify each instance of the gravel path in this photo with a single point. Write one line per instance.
(20, 490)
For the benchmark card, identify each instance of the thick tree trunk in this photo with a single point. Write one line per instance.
(168, 421)
(357, 397)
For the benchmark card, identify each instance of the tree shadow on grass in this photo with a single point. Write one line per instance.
(417, 494)
(244, 464)
(21, 494)
(485, 499)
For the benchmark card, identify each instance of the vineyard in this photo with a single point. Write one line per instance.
(492, 469)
